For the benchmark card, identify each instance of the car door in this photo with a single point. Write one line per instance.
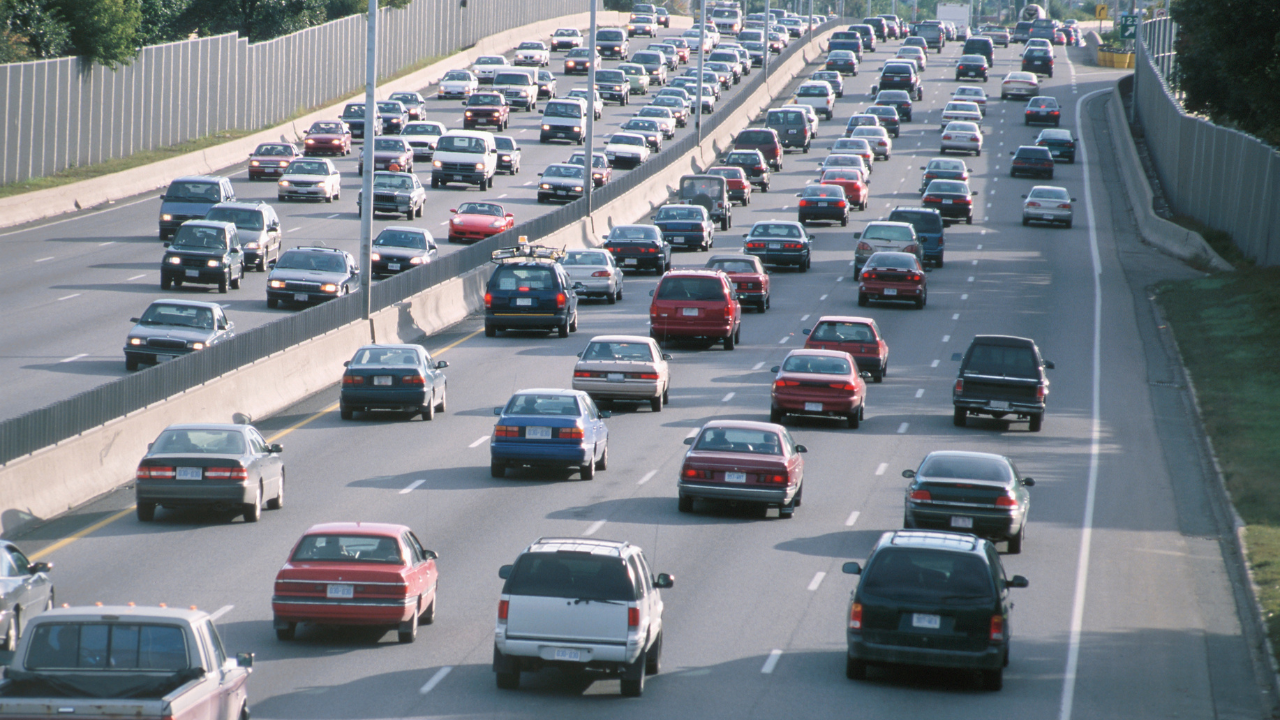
(271, 222)
(233, 692)
(25, 592)
(423, 574)
(271, 465)
(235, 252)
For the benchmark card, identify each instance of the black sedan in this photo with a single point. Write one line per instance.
(637, 247)
(823, 203)
(842, 61)
(396, 193)
(1061, 143)
(561, 181)
(394, 116)
(25, 591)
(753, 164)
(988, 487)
(223, 467)
(399, 248)
(1038, 61)
(401, 378)
(889, 119)
(971, 66)
(1043, 109)
(508, 154)
(899, 100)
(686, 226)
(951, 198)
(1031, 160)
(170, 328)
(779, 243)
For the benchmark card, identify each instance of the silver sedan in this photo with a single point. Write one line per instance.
(1046, 203)
(596, 270)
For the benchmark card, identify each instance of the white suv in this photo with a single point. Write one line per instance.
(583, 604)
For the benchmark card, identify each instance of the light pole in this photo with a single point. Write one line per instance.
(366, 182)
(702, 44)
(768, 48)
(588, 179)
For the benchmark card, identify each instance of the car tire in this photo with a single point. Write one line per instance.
(854, 418)
(1036, 422)
(960, 417)
(855, 669)
(764, 187)
(1015, 542)
(844, 221)
(223, 283)
(603, 463)
(130, 364)
(252, 511)
(277, 502)
(165, 282)
(655, 404)
(1068, 224)
(633, 677)
(428, 411)
(993, 680)
(235, 281)
(497, 469)
(490, 331)
(619, 293)
(346, 413)
(968, 220)
(408, 630)
(863, 299)
(653, 660)
(685, 504)
(588, 471)
(729, 341)
(287, 633)
(922, 300)
(146, 511)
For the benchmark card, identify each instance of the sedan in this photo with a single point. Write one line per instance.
(852, 181)
(25, 592)
(627, 368)
(550, 429)
(959, 110)
(961, 137)
(647, 127)
(822, 383)
(1061, 143)
(566, 39)
(738, 182)
(486, 108)
(400, 248)
(327, 137)
(832, 78)
(578, 61)
(749, 278)
(678, 107)
(739, 461)
(532, 53)
(899, 100)
(970, 492)
(422, 136)
(1019, 84)
(637, 247)
(546, 85)
(951, 198)
(686, 226)
(395, 580)
(1043, 109)
(843, 62)
(305, 275)
(882, 236)
(225, 467)
(858, 336)
(596, 270)
(665, 119)
(1031, 160)
(889, 118)
(859, 146)
(973, 94)
(400, 378)
(779, 243)
(893, 276)
(943, 169)
(457, 84)
(486, 67)
(1049, 204)
(269, 160)
(561, 181)
(971, 66)
(753, 164)
(881, 145)
(601, 172)
(389, 153)
(397, 193)
(170, 328)
(412, 103)
(1038, 61)
(818, 95)
(627, 149)
(823, 203)
(312, 179)
(642, 25)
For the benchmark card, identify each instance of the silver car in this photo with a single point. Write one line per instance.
(596, 270)
(885, 236)
(25, 591)
(623, 367)
(1046, 203)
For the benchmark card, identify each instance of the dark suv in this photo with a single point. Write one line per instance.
(929, 229)
(1031, 160)
(979, 45)
(936, 599)
(189, 198)
(203, 252)
(529, 290)
(900, 76)
(1002, 375)
(792, 126)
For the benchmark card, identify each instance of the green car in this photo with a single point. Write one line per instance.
(637, 76)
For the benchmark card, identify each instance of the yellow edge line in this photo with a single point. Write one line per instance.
(107, 521)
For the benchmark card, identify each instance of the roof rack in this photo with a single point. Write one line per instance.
(524, 251)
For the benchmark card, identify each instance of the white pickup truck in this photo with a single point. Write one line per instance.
(141, 663)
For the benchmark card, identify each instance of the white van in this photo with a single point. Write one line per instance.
(465, 156)
(564, 119)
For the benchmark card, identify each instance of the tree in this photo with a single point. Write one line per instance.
(162, 22)
(103, 31)
(34, 29)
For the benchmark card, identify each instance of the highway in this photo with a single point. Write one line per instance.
(1129, 613)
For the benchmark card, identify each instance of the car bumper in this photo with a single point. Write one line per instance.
(656, 262)
(635, 389)
(998, 407)
(687, 239)
(296, 193)
(197, 276)
(612, 656)
(391, 208)
(195, 494)
(989, 658)
(1046, 170)
(470, 178)
(260, 172)
(393, 399)
(556, 133)
(322, 611)
(778, 257)
(824, 213)
(962, 146)
(1047, 215)
(771, 496)
(800, 405)
(470, 235)
(540, 454)
(952, 211)
(298, 297)
(526, 321)
(793, 141)
(691, 330)
(594, 286)
(561, 195)
(985, 523)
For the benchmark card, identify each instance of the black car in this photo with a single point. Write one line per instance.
(972, 66)
(823, 203)
(779, 243)
(899, 100)
(546, 85)
(951, 198)
(1038, 61)
(27, 592)
(258, 227)
(935, 599)
(203, 252)
(639, 247)
(1061, 144)
(306, 275)
(226, 467)
(1031, 160)
(400, 378)
(930, 229)
(889, 119)
(900, 76)
(170, 328)
(400, 248)
(396, 193)
(1043, 109)
(561, 181)
(979, 45)
(973, 492)
(612, 42)
(508, 154)
(353, 116)
(1000, 376)
(687, 226)
(753, 164)
(393, 114)
(529, 290)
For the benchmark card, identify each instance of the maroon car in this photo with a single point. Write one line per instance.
(327, 137)
(743, 462)
(269, 160)
(893, 276)
(748, 276)
(739, 184)
(763, 139)
(819, 383)
(486, 108)
(701, 304)
(858, 336)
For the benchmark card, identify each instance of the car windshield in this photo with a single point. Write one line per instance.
(891, 233)
(625, 351)
(563, 110)
(582, 576)
(401, 239)
(843, 332)
(818, 364)
(392, 182)
(302, 167)
(456, 75)
(621, 139)
(813, 91)
(567, 32)
(192, 192)
(407, 98)
(543, 404)
(655, 112)
(597, 160)
(781, 230)
(481, 208)
(922, 575)
(178, 315)
(563, 171)
(589, 258)
(210, 442)
(647, 58)
(609, 36)
(688, 213)
(484, 99)
(530, 46)
(388, 145)
(1002, 360)
(321, 262)
(491, 60)
(741, 440)
(639, 124)
(385, 356)
(390, 107)
(199, 237)
(610, 76)
(348, 549)
(966, 467)
(515, 78)
(460, 144)
(579, 53)
(112, 647)
(241, 218)
(274, 150)
(524, 279)
(325, 127)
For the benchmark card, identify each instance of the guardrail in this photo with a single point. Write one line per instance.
(67, 418)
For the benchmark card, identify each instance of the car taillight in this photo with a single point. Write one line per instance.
(569, 433)
(413, 380)
(488, 299)
(155, 472)
(785, 383)
(584, 374)
(503, 606)
(226, 473)
(600, 273)
(869, 275)
(1042, 391)
(921, 495)
(760, 245)
(840, 203)
(506, 431)
(932, 198)
(843, 386)
(855, 616)
(698, 474)
(959, 386)
(561, 299)
(997, 629)
(946, 137)
(964, 201)
(1032, 203)
(912, 248)
(643, 376)
(1006, 501)
(774, 479)
(915, 277)
(352, 380)
(1064, 206)
(633, 618)
(804, 203)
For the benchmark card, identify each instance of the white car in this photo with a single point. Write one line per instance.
(962, 137)
(457, 84)
(625, 148)
(859, 146)
(1019, 84)
(619, 367)
(811, 114)
(818, 95)
(422, 136)
(973, 94)
(1046, 203)
(962, 111)
(881, 145)
(486, 66)
(310, 178)
(1041, 43)
(566, 39)
(533, 53)
(914, 53)
(600, 277)
(692, 35)
(663, 116)
(842, 162)
(597, 101)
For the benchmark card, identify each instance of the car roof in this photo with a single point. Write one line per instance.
(358, 528)
(315, 248)
(209, 426)
(919, 210)
(814, 352)
(742, 425)
(550, 391)
(693, 272)
(97, 613)
(622, 338)
(188, 303)
(890, 223)
(932, 539)
(611, 548)
(1008, 340)
(198, 178)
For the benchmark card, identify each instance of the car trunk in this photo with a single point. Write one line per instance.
(549, 430)
(726, 468)
(631, 252)
(561, 619)
(353, 581)
(622, 372)
(1000, 388)
(812, 387)
(959, 625)
(971, 492)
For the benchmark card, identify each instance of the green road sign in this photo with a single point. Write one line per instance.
(1129, 27)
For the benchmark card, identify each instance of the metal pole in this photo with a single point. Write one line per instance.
(588, 179)
(767, 48)
(702, 43)
(366, 182)
(810, 35)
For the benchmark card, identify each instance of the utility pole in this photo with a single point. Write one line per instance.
(767, 48)
(702, 44)
(588, 181)
(366, 182)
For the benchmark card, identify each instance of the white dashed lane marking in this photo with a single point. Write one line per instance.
(477, 443)
(136, 277)
(727, 397)
(412, 486)
(902, 429)
(920, 393)
(68, 297)
(593, 527)
(934, 363)
(816, 581)
(881, 468)
(758, 365)
(73, 358)
(647, 477)
(40, 260)
(771, 662)
(435, 680)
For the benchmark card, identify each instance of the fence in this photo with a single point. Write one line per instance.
(67, 418)
(1221, 177)
(63, 113)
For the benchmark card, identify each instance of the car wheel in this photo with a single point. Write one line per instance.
(844, 221)
(1015, 542)
(653, 660)
(960, 417)
(968, 220)
(408, 630)
(497, 468)
(993, 680)
(854, 418)
(287, 632)
(655, 404)
(490, 331)
(563, 330)
(855, 669)
(235, 281)
(252, 511)
(165, 282)
(729, 342)
(685, 504)
(920, 301)
(764, 187)
(1068, 224)
(1036, 421)
(863, 299)
(428, 411)
(277, 502)
(146, 511)
(222, 283)
(345, 412)
(633, 677)
(588, 471)
(619, 293)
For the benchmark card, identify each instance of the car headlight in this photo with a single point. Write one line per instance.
(215, 263)
(416, 261)
(577, 128)
(166, 217)
(173, 260)
(276, 284)
(480, 166)
(546, 127)
(329, 288)
(136, 341)
(498, 223)
(468, 113)
(251, 246)
(506, 158)
(436, 163)
(375, 256)
(577, 188)
(544, 186)
(196, 345)
(284, 183)
(309, 141)
(253, 163)
(524, 93)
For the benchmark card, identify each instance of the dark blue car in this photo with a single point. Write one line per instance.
(550, 429)
(401, 378)
(929, 228)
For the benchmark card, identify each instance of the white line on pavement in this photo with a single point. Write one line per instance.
(955, 316)
(220, 612)
(933, 364)
(758, 365)
(805, 317)
(853, 262)
(771, 662)
(946, 338)
(784, 339)
(412, 486)
(109, 242)
(970, 279)
(504, 194)
(136, 277)
(692, 432)
(902, 429)
(853, 518)
(727, 398)
(824, 297)
(841, 278)
(975, 262)
(647, 477)
(40, 260)
(73, 358)
(435, 680)
(593, 527)
(68, 297)
(979, 246)
(816, 581)
(334, 216)
(881, 468)
(478, 442)
(920, 393)
(965, 296)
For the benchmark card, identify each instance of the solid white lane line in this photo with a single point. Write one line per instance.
(816, 581)
(853, 262)
(727, 398)
(593, 527)
(771, 662)
(902, 429)
(955, 316)
(758, 365)
(73, 358)
(933, 364)
(435, 680)
(784, 339)
(920, 393)
(477, 443)
(824, 297)
(109, 242)
(446, 222)
(970, 279)
(647, 477)
(44, 259)
(334, 216)
(220, 612)
(295, 229)
(802, 319)
(881, 468)
(853, 518)
(68, 297)
(412, 486)
(502, 195)
(136, 277)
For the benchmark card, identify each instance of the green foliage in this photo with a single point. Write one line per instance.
(34, 29)
(161, 22)
(103, 31)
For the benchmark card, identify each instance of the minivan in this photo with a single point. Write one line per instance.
(792, 126)
(564, 119)
(929, 231)
(695, 304)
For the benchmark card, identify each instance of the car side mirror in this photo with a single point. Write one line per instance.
(666, 356)
(606, 413)
(271, 264)
(1029, 482)
(497, 411)
(442, 364)
(975, 192)
(1073, 199)
(40, 567)
(244, 660)
(511, 215)
(688, 441)
(1048, 364)
(650, 293)
(504, 572)
(801, 449)
(908, 474)
(865, 375)
(851, 568)
(664, 581)
(464, 103)
(1024, 197)
(1017, 581)
(431, 554)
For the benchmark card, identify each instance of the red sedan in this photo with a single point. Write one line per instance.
(269, 160)
(858, 336)
(327, 137)
(893, 276)
(737, 182)
(739, 461)
(854, 184)
(823, 383)
(354, 573)
(748, 276)
(474, 221)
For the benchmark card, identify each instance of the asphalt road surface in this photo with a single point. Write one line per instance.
(1129, 613)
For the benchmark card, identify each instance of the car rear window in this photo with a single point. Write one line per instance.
(758, 442)
(923, 222)
(348, 548)
(1002, 360)
(385, 357)
(510, 277)
(887, 232)
(818, 364)
(199, 237)
(619, 350)
(734, 266)
(581, 576)
(921, 575)
(756, 137)
(702, 289)
(210, 442)
(787, 117)
(965, 468)
(843, 332)
(107, 646)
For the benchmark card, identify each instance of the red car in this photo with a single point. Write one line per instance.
(763, 139)
(696, 304)
(738, 183)
(486, 108)
(854, 184)
(893, 276)
(858, 336)
(740, 461)
(353, 573)
(682, 48)
(474, 221)
(824, 383)
(269, 160)
(327, 137)
(748, 276)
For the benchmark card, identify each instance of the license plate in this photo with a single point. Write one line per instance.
(616, 377)
(962, 522)
(735, 477)
(629, 261)
(948, 202)
(999, 405)
(823, 204)
(792, 132)
(340, 591)
(891, 291)
(381, 379)
(566, 654)
(393, 266)
(300, 297)
(1046, 217)
(561, 192)
(537, 433)
(454, 177)
(189, 473)
(813, 407)
(926, 621)
(775, 246)
(689, 312)
(193, 273)
(524, 302)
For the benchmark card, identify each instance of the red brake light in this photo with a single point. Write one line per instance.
(600, 273)
(855, 616)
(413, 380)
(785, 383)
(946, 137)
(506, 431)
(1006, 501)
(921, 495)
(633, 618)
(569, 433)
(561, 299)
(804, 203)
(352, 380)
(503, 605)
(643, 376)
(1041, 392)
(1032, 203)
(932, 198)
(226, 473)
(699, 474)
(997, 628)
(488, 299)
(156, 472)
(959, 386)
(583, 374)
(843, 386)
(864, 246)
(839, 203)
(915, 277)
